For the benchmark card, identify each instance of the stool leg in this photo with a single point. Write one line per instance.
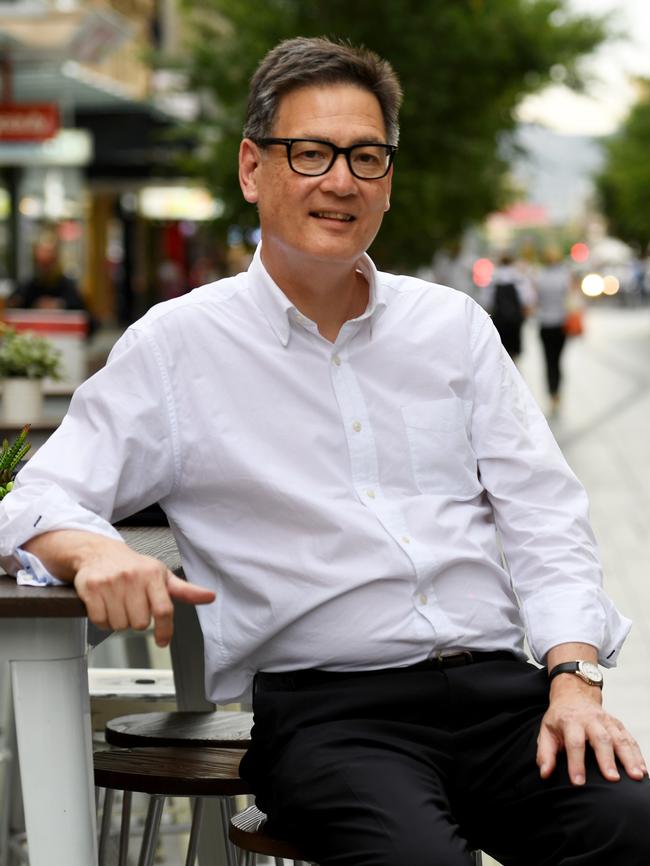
(5, 795)
(151, 827)
(125, 828)
(227, 811)
(104, 833)
(195, 831)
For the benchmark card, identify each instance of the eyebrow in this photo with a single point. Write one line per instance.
(371, 139)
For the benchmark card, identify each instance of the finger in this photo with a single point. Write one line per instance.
(138, 608)
(628, 752)
(547, 749)
(602, 743)
(574, 745)
(115, 610)
(162, 610)
(181, 590)
(102, 596)
(95, 608)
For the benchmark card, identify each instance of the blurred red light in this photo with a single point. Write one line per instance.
(580, 252)
(482, 271)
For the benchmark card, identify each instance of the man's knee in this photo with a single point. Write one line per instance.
(621, 818)
(608, 823)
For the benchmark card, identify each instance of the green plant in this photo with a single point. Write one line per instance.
(27, 355)
(10, 457)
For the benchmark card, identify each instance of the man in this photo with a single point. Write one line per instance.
(342, 454)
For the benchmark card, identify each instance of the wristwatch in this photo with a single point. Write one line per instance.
(587, 671)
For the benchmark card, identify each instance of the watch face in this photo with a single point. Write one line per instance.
(591, 672)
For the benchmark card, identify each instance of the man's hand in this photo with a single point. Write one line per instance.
(120, 588)
(574, 718)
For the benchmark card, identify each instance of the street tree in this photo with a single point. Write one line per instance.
(624, 183)
(465, 66)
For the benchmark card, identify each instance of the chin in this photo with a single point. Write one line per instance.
(333, 248)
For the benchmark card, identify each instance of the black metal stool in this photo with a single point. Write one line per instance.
(247, 833)
(162, 772)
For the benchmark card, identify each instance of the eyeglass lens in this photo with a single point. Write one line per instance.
(315, 157)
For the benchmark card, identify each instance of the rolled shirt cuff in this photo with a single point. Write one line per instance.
(580, 615)
(32, 571)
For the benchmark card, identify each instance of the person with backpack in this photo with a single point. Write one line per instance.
(509, 297)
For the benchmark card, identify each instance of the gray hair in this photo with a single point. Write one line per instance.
(305, 62)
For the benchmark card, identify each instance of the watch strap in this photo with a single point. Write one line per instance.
(573, 668)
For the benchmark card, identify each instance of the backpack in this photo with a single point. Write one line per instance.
(507, 308)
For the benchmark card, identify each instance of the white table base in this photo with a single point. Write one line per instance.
(47, 659)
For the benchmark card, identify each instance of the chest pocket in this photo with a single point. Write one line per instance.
(441, 455)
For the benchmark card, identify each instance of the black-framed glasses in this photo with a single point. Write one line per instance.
(312, 157)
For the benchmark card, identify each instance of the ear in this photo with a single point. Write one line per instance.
(249, 161)
(389, 186)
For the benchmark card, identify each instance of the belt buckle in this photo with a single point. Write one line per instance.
(454, 659)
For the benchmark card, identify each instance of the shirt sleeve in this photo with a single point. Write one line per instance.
(115, 452)
(30, 571)
(541, 512)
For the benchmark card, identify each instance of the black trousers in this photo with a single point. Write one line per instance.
(418, 766)
(553, 339)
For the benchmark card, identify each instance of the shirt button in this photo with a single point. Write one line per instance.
(406, 539)
(356, 426)
(423, 599)
(370, 494)
(336, 360)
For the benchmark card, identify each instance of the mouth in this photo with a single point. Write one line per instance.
(337, 216)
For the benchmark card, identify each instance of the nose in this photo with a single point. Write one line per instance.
(339, 179)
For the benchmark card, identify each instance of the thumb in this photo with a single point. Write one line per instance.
(547, 749)
(181, 590)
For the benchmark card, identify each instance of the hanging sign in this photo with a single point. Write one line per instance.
(28, 122)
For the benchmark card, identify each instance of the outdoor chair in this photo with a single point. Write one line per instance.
(163, 772)
(247, 834)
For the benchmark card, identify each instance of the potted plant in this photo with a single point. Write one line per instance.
(25, 360)
(10, 457)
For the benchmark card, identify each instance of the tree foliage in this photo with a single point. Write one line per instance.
(624, 183)
(464, 65)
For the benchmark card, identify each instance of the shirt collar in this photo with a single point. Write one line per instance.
(279, 310)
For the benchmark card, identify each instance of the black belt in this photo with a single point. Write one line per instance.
(310, 676)
(462, 658)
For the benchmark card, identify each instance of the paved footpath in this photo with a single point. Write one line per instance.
(603, 427)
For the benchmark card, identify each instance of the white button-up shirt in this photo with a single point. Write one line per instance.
(355, 505)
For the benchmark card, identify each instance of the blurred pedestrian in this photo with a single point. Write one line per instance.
(50, 288)
(553, 283)
(509, 298)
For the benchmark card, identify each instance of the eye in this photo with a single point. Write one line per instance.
(371, 157)
(309, 151)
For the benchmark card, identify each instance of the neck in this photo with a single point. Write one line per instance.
(328, 293)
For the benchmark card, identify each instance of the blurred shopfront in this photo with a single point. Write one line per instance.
(103, 190)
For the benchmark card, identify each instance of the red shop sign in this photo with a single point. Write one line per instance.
(28, 122)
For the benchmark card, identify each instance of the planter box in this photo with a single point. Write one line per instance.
(66, 330)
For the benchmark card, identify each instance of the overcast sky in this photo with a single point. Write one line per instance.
(611, 69)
